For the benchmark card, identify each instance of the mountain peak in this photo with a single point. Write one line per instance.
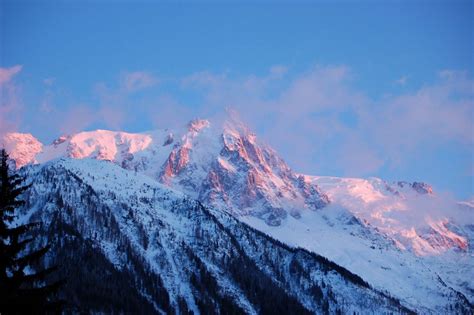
(198, 124)
(22, 147)
(233, 123)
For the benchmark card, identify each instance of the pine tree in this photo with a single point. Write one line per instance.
(20, 292)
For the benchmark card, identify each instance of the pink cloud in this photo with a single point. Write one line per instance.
(77, 119)
(299, 111)
(434, 114)
(6, 74)
(112, 117)
(357, 157)
(319, 89)
(10, 102)
(167, 112)
(222, 89)
(306, 115)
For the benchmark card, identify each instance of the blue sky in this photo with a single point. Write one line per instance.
(345, 88)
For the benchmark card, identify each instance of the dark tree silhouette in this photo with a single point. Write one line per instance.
(22, 291)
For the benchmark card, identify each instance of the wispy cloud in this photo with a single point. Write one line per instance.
(49, 81)
(117, 102)
(10, 103)
(303, 115)
(6, 74)
(306, 114)
(278, 71)
(435, 114)
(138, 80)
(402, 80)
(77, 118)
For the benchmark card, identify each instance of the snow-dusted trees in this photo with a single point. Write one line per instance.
(22, 290)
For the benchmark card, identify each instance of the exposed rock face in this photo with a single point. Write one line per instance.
(419, 187)
(228, 167)
(315, 199)
(177, 161)
(441, 236)
(60, 140)
(250, 178)
(422, 188)
(169, 139)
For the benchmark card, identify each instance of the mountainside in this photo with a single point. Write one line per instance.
(126, 242)
(402, 238)
(410, 213)
(352, 233)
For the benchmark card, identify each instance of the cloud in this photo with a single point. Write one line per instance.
(117, 104)
(302, 120)
(357, 157)
(278, 71)
(320, 89)
(435, 114)
(6, 74)
(10, 102)
(46, 105)
(138, 80)
(318, 120)
(402, 80)
(300, 112)
(223, 89)
(49, 81)
(167, 112)
(77, 118)
(112, 117)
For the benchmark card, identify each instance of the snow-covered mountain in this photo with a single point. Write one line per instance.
(219, 165)
(402, 238)
(123, 238)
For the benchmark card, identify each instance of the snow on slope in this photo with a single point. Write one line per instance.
(418, 222)
(22, 147)
(435, 228)
(334, 233)
(200, 259)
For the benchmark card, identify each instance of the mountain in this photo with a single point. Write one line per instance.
(223, 166)
(127, 243)
(402, 238)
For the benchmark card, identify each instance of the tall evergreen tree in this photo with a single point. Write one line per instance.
(22, 291)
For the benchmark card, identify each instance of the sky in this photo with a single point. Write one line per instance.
(340, 88)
